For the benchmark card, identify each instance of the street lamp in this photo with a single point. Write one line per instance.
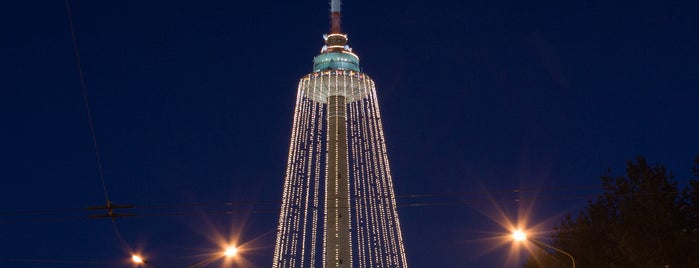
(519, 235)
(230, 251)
(138, 260)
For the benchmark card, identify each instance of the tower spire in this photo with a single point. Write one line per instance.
(335, 8)
(336, 41)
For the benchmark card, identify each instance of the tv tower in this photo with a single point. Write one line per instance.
(338, 203)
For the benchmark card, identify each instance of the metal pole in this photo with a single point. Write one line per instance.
(542, 244)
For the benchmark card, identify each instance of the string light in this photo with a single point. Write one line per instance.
(369, 200)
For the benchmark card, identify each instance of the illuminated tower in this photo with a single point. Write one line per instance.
(338, 203)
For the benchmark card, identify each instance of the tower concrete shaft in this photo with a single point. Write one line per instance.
(339, 246)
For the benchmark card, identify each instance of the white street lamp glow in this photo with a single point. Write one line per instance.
(230, 251)
(136, 259)
(519, 235)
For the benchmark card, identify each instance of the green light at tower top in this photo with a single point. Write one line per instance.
(336, 55)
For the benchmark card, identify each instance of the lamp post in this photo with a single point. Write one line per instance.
(521, 236)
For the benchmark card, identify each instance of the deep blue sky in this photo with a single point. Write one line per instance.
(192, 103)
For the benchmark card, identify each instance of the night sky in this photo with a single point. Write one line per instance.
(193, 101)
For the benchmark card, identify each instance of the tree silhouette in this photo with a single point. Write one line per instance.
(641, 219)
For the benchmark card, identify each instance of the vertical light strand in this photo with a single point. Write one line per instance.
(371, 184)
(363, 187)
(400, 248)
(356, 194)
(299, 181)
(293, 179)
(354, 174)
(310, 148)
(364, 179)
(378, 238)
(324, 84)
(335, 176)
(381, 194)
(282, 227)
(287, 214)
(316, 176)
(347, 89)
(381, 183)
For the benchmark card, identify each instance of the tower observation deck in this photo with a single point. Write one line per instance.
(338, 202)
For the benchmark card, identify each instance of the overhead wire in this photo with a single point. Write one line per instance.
(270, 206)
(171, 211)
(58, 261)
(86, 100)
(516, 190)
(469, 194)
(91, 124)
(464, 202)
(264, 206)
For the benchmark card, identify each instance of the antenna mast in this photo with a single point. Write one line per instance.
(335, 8)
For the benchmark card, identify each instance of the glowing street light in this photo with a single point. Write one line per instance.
(137, 259)
(140, 262)
(519, 235)
(230, 251)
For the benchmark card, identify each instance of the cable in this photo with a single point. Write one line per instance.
(57, 261)
(411, 200)
(278, 201)
(536, 190)
(39, 211)
(261, 210)
(86, 100)
(265, 206)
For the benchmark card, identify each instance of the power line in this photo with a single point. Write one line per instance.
(59, 261)
(470, 194)
(255, 207)
(516, 190)
(278, 201)
(264, 206)
(138, 212)
(86, 100)
(109, 207)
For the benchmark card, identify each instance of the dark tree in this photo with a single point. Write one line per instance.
(641, 219)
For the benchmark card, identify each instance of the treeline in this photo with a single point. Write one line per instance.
(642, 219)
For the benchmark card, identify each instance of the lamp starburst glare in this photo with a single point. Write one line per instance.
(230, 251)
(136, 259)
(518, 235)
